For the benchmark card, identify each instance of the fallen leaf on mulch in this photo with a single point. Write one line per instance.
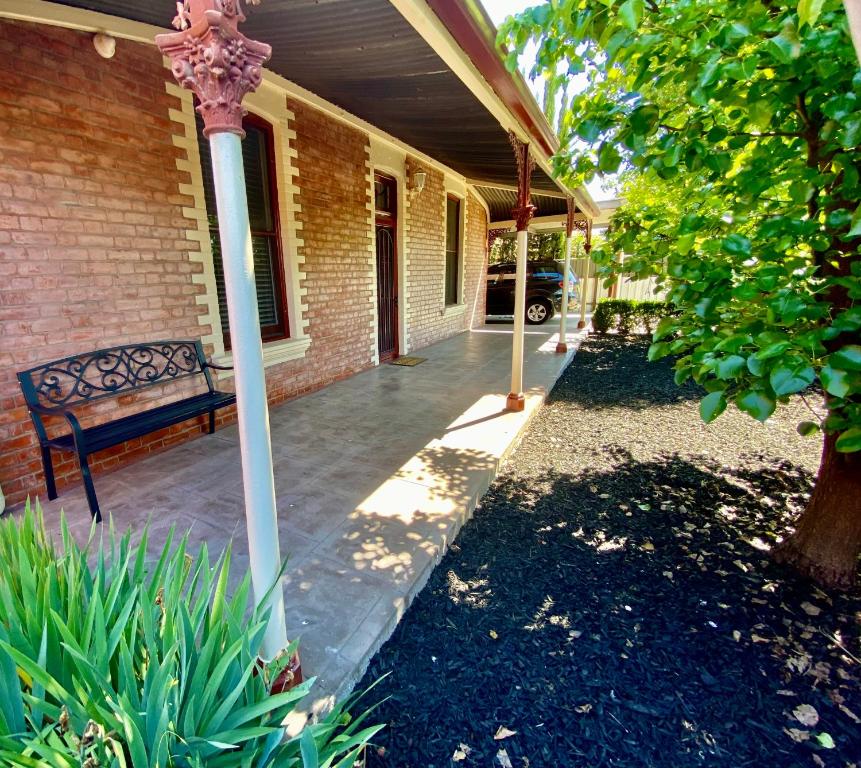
(850, 714)
(825, 740)
(810, 609)
(796, 734)
(806, 715)
(503, 733)
(647, 546)
(583, 709)
(461, 753)
(503, 758)
(736, 635)
(493, 633)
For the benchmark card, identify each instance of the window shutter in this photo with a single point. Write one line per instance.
(452, 249)
(265, 241)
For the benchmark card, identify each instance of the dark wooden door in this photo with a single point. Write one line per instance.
(387, 267)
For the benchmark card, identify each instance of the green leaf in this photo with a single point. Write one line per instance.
(755, 365)
(848, 358)
(608, 157)
(737, 245)
(712, 406)
(835, 381)
(310, 758)
(808, 11)
(657, 351)
(684, 243)
(756, 404)
(849, 441)
(631, 12)
(788, 381)
(806, 428)
(729, 367)
(644, 118)
(855, 230)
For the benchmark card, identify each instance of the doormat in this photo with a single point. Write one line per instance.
(410, 361)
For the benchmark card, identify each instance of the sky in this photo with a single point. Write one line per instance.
(499, 10)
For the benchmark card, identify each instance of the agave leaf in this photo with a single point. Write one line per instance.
(131, 729)
(268, 705)
(219, 598)
(228, 702)
(120, 623)
(50, 685)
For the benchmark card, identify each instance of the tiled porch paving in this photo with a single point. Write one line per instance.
(374, 476)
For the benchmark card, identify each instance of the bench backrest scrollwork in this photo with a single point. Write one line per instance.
(81, 379)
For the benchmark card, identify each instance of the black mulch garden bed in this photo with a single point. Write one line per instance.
(613, 603)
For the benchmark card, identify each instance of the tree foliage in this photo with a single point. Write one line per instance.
(741, 120)
(541, 246)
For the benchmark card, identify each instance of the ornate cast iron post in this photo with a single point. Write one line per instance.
(522, 214)
(562, 345)
(585, 226)
(213, 59)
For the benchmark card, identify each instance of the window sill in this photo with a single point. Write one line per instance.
(453, 310)
(274, 353)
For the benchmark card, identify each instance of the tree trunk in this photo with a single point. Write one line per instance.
(827, 539)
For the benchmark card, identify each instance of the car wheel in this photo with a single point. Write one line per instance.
(538, 311)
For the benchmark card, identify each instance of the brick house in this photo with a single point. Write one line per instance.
(377, 159)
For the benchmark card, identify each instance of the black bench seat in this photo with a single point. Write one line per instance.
(58, 388)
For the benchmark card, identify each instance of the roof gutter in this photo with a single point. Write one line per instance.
(469, 25)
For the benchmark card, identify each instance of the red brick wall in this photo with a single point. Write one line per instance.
(335, 229)
(92, 245)
(428, 319)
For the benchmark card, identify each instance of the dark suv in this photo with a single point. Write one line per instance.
(543, 290)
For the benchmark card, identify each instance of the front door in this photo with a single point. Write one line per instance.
(385, 209)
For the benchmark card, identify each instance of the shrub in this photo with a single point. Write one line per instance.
(136, 661)
(603, 316)
(650, 312)
(624, 315)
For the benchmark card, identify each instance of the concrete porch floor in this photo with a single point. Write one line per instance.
(374, 476)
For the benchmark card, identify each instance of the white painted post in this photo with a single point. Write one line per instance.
(562, 344)
(522, 213)
(584, 285)
(519, 316)
(251, 405)
(208, 36)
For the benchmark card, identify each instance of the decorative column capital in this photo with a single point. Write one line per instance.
(213, 59)
(569, 219)
(524, 211)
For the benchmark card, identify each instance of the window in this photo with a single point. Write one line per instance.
(452, 250)
(258, 155)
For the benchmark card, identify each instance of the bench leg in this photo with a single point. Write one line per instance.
(89, 488)
(48, 469)
(211, 422)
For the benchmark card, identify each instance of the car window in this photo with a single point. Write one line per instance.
(547, 273)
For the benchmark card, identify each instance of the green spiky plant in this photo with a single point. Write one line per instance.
(141, 661)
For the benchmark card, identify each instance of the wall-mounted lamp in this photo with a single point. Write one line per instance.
(417, 181)
(105, 45)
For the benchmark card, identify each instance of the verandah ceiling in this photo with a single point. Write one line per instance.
(363, 56)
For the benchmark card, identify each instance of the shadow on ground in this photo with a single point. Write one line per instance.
(617, 606)
(613, 353)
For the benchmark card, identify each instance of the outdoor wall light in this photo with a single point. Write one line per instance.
(418, 181)
(105, 45)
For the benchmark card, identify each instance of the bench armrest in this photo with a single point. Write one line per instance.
(210, 364)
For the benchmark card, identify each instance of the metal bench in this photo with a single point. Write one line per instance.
(59, 387)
